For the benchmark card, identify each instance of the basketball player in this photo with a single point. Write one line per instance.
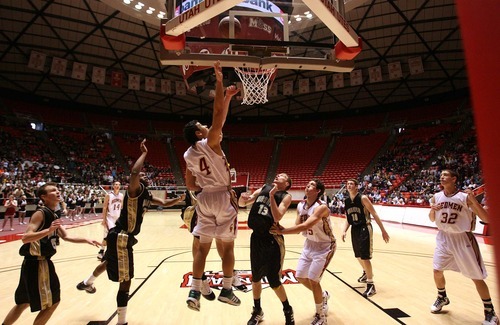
(454, 213)
(118, 259)
(267, 251)
(39, 284)
(313, 220)
(358, 209)
(208, 171)
(111, 208)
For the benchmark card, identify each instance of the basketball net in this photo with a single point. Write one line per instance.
(255, 83)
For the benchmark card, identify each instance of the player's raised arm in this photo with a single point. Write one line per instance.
(219, 110)
(134, 183)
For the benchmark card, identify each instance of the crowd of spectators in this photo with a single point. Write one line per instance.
(406, 176)
(407, 173)
(30, 159)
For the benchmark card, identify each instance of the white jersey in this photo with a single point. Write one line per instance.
(455, 216)
(321, 231)
(115, 203)
(210, 169)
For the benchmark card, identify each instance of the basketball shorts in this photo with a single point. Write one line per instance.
(267, 253)
(38, 285)
(217, 215)
(459, 252)
(362, 241)
(119, 255)
(314, 259)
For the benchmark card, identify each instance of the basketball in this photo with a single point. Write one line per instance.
(224, 27)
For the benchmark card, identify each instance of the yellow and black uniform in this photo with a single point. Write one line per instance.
(121, 238)
(361, 228)
(39, 284)
(267, 251)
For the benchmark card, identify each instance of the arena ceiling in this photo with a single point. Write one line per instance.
(96, 34)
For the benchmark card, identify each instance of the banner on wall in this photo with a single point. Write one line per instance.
(37, 60)
(288, 88)
(303, 86)
(375, 74)
(58, 67)
(356, 77)
(416, 65)
(79, 71)
(395, 71)
(134, 82)
(116, 79)
(150, 84)
(98, 75)
(338, 80)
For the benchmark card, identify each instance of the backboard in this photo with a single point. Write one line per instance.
(202, 32)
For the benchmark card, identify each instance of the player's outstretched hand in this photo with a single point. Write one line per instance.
(143, 146)
(93, 242)
(218, 71)
(276, 229)
(231, 91)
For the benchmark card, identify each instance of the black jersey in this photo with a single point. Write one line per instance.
(22, 205)
(133, 210)
(356, 213)
(260, 218)
(45, 246)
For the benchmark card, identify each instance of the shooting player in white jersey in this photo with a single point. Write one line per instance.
(208, 171)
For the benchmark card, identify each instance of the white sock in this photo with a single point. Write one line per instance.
(196, 285)
(90, 280)
(122, 315)
(227, 282)
(319, 308)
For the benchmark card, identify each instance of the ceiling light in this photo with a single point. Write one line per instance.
(298, 19)
(309, 15)
(138, 7)
(127, 2)
(161, 15)
(150, 10)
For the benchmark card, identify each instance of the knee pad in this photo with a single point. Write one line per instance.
(274, 282)
(122, 298)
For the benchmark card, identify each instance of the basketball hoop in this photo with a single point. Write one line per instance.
(255, 83)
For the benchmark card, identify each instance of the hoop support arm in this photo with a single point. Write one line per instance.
(326, 12)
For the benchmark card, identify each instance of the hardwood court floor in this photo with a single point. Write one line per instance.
(403, 278)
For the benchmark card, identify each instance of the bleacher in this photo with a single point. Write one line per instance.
(354, 123)
(300, 159)
(251, 157)
(351, 156)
